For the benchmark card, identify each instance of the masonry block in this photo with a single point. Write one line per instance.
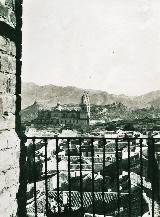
(9, 141)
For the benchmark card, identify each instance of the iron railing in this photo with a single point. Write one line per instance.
(68, 180)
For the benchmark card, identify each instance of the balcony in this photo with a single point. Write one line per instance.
(90, 176)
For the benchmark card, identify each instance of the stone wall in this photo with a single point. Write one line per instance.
(9, 172)
(9, 141)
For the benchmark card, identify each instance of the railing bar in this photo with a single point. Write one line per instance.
(103, 187)
(129, 178)
(69, 175)
(141, 174)
(117, 165)
(93, 195)
(153, 183)
(35, 187)
(81, 180)
(46, 178)
(57, 159)
(92, 154)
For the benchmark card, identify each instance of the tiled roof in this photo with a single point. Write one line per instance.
(75, 199)
(87, 197)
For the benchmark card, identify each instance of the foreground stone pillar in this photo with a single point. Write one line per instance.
(9, 140)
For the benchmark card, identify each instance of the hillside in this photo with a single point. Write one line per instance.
(50, 94)
(116, 112)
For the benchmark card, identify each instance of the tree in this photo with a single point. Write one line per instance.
(129, 126)
(33, 170)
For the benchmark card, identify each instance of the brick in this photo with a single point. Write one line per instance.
(8, 180)
(3, 141)
(12, 48)
(13, 84)
(8, 63)
(8, 205)
(2, 2)
(8, 123)
(13, 18)
(4, 63)
(8, 140)
(4, 11)
(2, 82)
(2, 182)
(8, 102)
(3, 44)
(11, 177)
(8, 159)
(1, 106)
(9, 3)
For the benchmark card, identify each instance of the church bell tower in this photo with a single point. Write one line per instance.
(85, 107)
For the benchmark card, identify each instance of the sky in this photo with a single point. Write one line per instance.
(110, 45)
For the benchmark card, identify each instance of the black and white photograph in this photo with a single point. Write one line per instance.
(79, 108)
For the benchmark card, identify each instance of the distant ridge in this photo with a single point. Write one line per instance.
(48, 95)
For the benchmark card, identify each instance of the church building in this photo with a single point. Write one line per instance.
(66, 115)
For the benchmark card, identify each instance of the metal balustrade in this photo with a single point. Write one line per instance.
(80, 183)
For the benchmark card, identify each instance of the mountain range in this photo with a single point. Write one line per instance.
(49, 95)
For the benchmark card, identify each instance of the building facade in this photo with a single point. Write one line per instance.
(66, 116)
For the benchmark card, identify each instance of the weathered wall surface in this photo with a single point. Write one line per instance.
(9, 172)
(9, 142)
